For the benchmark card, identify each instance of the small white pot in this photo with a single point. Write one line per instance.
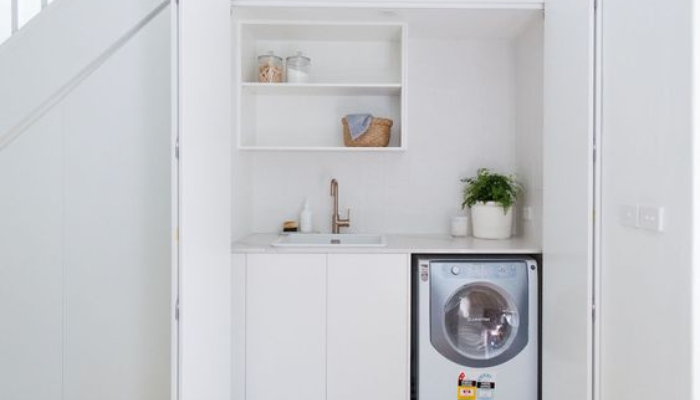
(490, 222)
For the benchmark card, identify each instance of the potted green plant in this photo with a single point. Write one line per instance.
(491, 196)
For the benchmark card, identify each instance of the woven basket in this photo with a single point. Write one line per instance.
(377, 135)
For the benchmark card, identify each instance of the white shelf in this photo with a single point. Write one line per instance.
(350, 89)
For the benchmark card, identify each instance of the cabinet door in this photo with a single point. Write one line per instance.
(647, 130)
(568, 201)
(368, 326)
(203, 68)
(286, 327)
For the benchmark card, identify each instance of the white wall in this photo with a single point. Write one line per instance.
(241, 174)
(647, 159)
(85, 236)
(529, 114)
(31, 263)
(461, 116)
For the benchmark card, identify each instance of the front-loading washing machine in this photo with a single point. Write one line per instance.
(476, 328)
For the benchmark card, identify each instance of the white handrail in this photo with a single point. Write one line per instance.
(36, 114)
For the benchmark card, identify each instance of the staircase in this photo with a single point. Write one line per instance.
(65, 43)
(85, 197)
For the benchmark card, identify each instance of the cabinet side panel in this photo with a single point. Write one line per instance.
(238, 343)
(368, 326)
(567, 201)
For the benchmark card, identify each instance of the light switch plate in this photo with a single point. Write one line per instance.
(629, 215)
(651, 218)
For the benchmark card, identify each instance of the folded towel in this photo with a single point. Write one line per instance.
(358, 124)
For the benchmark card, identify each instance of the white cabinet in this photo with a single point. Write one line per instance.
(333, 326)
(368, 326)
(286, 327)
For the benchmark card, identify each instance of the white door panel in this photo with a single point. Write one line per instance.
(86, 235)
(646, 310)
(205, 261)
(567, 219)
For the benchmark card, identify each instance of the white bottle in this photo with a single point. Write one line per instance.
(305, 219)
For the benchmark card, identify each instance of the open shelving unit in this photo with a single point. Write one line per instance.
(356, 67)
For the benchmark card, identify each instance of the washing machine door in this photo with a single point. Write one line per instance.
(479, 324)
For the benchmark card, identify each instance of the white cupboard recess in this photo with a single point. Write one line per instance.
(504, 88)
(356, 67)
(327, 326)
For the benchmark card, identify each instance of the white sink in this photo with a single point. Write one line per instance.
(330, 240)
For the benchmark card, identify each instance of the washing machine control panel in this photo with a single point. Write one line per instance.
(480, 270)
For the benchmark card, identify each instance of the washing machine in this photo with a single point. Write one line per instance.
(476, 328)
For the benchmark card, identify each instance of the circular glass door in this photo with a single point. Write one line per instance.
(481, 321)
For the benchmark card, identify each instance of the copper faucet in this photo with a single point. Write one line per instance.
(336, 221)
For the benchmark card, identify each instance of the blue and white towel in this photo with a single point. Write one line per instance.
(358, 124)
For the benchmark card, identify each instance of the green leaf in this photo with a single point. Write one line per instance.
(490, 186)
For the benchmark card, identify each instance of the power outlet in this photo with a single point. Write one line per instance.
(629, 215)
(651, 218)
(527, 213)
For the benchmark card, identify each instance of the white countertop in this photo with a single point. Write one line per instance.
(403, 243)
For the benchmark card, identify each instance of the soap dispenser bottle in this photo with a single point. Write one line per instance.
(305, 219)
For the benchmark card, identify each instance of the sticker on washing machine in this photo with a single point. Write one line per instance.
(466, 388)
(424, 272)
(485, 387)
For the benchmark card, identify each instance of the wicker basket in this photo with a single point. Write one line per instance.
(377, 135)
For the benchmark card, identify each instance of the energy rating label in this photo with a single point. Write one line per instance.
(466, 388)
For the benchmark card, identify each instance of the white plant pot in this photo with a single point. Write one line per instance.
(490, 222)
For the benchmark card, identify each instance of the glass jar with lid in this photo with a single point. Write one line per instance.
(298, 68)
(269, 68)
